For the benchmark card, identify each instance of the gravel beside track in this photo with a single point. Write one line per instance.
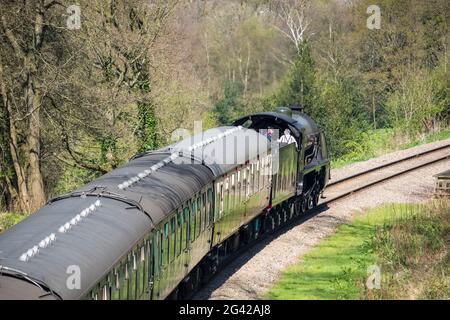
(252, 273)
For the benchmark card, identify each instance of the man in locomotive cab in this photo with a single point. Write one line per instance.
(287, 138)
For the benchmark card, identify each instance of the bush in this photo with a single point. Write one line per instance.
(7, 220)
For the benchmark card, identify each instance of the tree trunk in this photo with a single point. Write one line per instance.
(29, 180)
(35, 183)
(33, 100)
(23, 196)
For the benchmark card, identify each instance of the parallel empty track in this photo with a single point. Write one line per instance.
(361, 180)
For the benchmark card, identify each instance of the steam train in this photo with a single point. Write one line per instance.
(162, 224)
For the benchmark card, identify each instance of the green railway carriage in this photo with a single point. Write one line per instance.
(159, 226)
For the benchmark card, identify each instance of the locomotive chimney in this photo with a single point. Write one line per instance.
(297, 109)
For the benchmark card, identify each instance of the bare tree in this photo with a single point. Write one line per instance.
(23, 32)
(295, 22)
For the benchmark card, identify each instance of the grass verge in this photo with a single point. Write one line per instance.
(409, 243)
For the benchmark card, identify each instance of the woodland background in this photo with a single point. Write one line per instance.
(75, 104)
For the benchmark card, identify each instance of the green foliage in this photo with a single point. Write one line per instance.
(298, 86)
(146, 127)
(435, 136)
(71, 179)
(372, 143)
(419, 100)
(336, 103)
(227, 107)
(409, 243)
(339, 111)
(375, 143)
(412, 251)
(8, 219)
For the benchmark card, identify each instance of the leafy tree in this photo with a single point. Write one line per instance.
(146, 130)
(419, 101)
(227, 107)
(298, 85)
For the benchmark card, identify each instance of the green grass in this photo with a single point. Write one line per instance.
(382, 141)
(401, 239)
(442, 135)
(8, 219)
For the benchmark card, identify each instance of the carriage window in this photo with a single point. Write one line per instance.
(238, 186)
(252, 179)
(147, 265)
(179, 235)
(136, 262)
(142, 270)
(222, 199)
(186, 227)
(244, 184)
(156, 252)
(199, 224)
(105, 292)
(210, 195)
(232, 195)
(165, 244)
(115, 284)
(209, 207)
(150, 266)
(257, 176)
(132, 274)
(248, 182)
(192, 229)
(217, 202)
(123, 281)
(173, 240)
(94, 294)
(227, 195)
(204, 211)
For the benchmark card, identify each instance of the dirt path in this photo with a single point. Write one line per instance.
(252, 273)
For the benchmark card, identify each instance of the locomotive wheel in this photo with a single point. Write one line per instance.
(316, 198)
(310, 202)
(304, 205)
(278, 216)
(291, 210)
(297, 207)
(284, 214)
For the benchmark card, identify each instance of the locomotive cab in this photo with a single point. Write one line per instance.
(312, 163)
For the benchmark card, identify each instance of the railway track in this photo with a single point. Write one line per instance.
(349, 185)
(346, 186)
